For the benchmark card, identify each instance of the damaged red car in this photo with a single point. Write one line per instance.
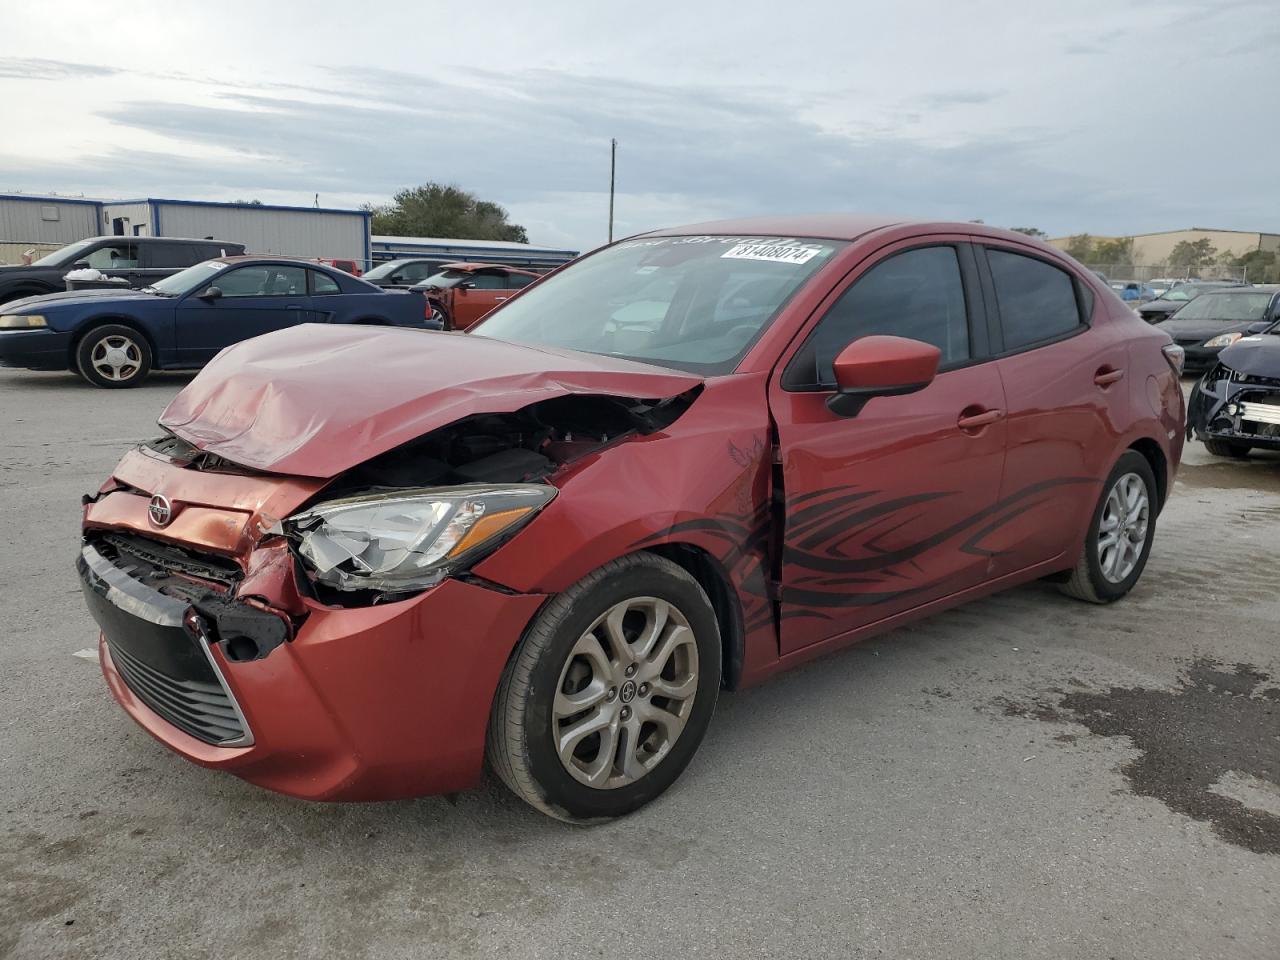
(360, 563)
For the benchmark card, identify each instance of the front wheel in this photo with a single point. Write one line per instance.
(1120, 534)
(1224, 448)
(113, 356)
(609, 693)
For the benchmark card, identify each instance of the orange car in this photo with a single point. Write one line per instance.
(462, 293)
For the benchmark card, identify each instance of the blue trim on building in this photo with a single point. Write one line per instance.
(368, 239)
(32, 198)
(237, 206)
(155, 218)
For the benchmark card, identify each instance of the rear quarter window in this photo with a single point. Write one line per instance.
(1038, 302)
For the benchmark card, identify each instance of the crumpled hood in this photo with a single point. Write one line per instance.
(315, 400)
(1257, 356)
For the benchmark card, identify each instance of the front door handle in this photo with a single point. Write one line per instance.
(1106, 376)
(499, 299)
(978, 419)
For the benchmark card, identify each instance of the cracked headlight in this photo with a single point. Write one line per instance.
(1223, 340)
(410, 539)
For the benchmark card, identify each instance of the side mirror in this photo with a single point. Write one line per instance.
(464, 285)
(211, 293)
(80, 265)
(881, 366)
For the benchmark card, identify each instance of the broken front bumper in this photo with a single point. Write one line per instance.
(1237, 409)
(360, 704)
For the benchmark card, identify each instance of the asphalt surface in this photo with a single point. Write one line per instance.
(1025, 777)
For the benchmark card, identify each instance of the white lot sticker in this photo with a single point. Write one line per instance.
(215, 265)
(770, 251)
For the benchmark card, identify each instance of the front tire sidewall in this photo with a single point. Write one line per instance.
(563, 795)
(84, 354)
(1105, 589)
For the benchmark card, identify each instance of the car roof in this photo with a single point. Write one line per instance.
(123, 239)
(471, 267)
(840, 226)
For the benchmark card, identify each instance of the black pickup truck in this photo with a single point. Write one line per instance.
(139, 260)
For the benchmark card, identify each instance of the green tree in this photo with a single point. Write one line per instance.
(444, 210)
(1031, 232)
(1119, 250)
(1080, 246)
(1261, 266)
(1187, 253)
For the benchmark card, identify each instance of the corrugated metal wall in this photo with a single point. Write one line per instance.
(137, 216)
(45, 220)
(294, 233)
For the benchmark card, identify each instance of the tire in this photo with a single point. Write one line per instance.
(113, 356)
(1098, 576)
(440, 315)
(1224, 448)
(567, 654)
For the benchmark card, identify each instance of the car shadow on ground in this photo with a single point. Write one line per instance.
(66, 380)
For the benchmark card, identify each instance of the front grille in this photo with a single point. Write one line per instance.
(201, 709)
(120, 548)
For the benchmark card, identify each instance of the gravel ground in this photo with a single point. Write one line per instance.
(1024, 777)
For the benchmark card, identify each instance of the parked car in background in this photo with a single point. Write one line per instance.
(346, 266)
(461, 293)
(1218, 318)
(114, 339)
(138, 260)
(403, 274)
(1167, 303)
(1235, 406)
(1132, 290)
(552, 541)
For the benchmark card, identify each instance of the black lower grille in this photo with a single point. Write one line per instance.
(201, 709)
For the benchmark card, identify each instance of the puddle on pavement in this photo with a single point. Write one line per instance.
(1210, 748)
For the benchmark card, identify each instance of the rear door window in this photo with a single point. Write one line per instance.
(322, 284)
(173, 255)
(1037, 301)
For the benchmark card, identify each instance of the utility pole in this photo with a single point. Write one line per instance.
(613, 168)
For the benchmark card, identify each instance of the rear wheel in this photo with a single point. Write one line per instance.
(113, 356)
(609, 694)
(1120, 534)
(1224, 448)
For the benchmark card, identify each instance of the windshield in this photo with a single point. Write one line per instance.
(444, 279)
(385, 270)
(189, 279)
(60, 258)
(1227, 307)
(1182, 294)
(694, 303)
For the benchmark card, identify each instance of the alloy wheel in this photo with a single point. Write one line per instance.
(116, 358)
(625, 693)
(1123, 527)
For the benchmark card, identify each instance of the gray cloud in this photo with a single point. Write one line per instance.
(33, 68)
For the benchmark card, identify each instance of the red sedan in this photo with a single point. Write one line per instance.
(359, 563)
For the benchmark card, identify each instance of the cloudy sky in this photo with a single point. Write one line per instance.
(1109, 117)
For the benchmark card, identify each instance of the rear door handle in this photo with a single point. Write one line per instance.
(976, 421)
(1106, 376)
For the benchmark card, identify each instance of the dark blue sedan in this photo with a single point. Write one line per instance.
(115, 338)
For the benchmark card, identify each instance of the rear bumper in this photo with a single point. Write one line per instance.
(35, 349)
(369, 703)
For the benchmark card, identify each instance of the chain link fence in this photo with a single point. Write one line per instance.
(1146, 273)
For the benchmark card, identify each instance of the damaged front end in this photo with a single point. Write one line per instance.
(1232, 407)
(243, 557)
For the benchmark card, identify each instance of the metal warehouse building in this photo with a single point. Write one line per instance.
(47, 222)
(44, 223)
(486, 251)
